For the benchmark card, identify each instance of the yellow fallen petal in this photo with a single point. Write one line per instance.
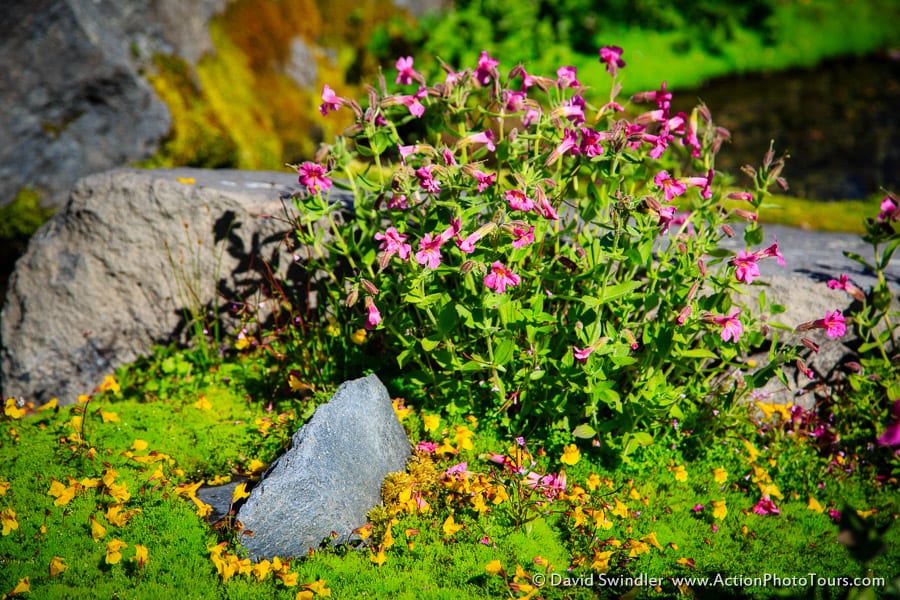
(202, 403)
(23, 586)
(494, 567)
(4, 487)
(97, 530)
(57, 566)
(8, 520)
(138, 445)
(186, 180)
(109, 416)
(54, 402)
(141, 556)
(239, 492)
(814, 505)
(114, 551)
(571, 455)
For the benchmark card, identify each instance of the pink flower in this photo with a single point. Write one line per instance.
(313, 177)
(485, 137)
(500, 277)
(427, 180)
(459, 469)
(430, 251)
(398, 202)
(731, 325)
(487, 68)
(392, 242)
(374, 317)
(406, 73)
(697, 508)
(889, 210)
(590, 142)
(746, 268)
(449, 159)
(702, 182)
(660, 141)
(452, 231)
(545, 208)
(670, 186)
(514, 101)
(834, 323)
(773, 251)
(569, 143)
(611, 56)
(766, 507)
(582, 354)
(330, 101)
(844, 284)
(566, 77)
(484, 180)
(406, 152)
(891, 435)
(523, 237)
(518, 200)
(527, 80)
(573, 110)
(415, 107)
(740, 196)
(426, 446)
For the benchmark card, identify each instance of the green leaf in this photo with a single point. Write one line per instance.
(699, 353)
(612, 292)
(504, 351)
(473, 366)
(429, 344)
(888, 253)
(859, 259)
(753, 235)
(584, 431)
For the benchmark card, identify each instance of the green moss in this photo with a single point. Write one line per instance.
(21, 218)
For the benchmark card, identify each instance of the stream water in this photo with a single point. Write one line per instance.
(838, 121)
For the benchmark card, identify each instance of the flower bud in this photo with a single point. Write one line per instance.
(467, 267)
(782, 183)
(369, 286)
(352, 297)
(728, 230)
(740, 196)
(682, 247)
(702, 266)
(810, 344)
(693, 291)
(745, 214)
(683, 315)
(749, 171)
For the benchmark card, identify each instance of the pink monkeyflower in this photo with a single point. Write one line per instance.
(452, 231)
(312, 175)
(532, 115)
(666, 216)
(485, 137)
(731, 325)
(834, 323)
(527, 80)
(766, 507)
(487, 68)
(611, 56)
(426, 446)
(523, 237)
(566, 77)
(582, 354)
(891, 435)
(406, 74)
(416, 108)
(330, 101)
(844, 284)
(569, 143)
(545, 208)
(518, 200)
(485, 180)
(889, 210)
(514, 101)
(374, 317)
(663, 98)
(697, 508)
(406, 152)
(660, 141)
(772, 251)
(746, 269)
(467, 245)
(670, 186)
(590, 142)
(500, 277)
(459, 469)
(429, 254)
(393, 242)
(427, 180)
(449, 159)
(573, 110)
(702, 182)
(613, 106)
(398, 202)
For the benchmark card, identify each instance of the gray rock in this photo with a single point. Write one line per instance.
(330, 477)
(72, 98)
(113, 273)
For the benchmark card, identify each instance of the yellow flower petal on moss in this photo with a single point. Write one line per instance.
(295, 384)
(637, 548)
(203, 509)
(814, 505)
(241, 342)
(318, 587)
(239, 492)
(12, 410)
(141, 556)
(289, 579)
(186, 180)
(82, 398)
(399, 409)
(752, 452)
(8, 520)
(23, 586)
(680, 473)
(494, 567)
(364, 532)
(865, 514)
(54, 402)
(720, 475)
(593, 481)
(304, 595)
(431, 422)
(719, 509)
(109, 416)
(571, 455)
(57, 566)
(61, 492)
(650, 538)
(97, 530)
(109, 384)
(451, 527)
(4, 487)
(621, 509)
(119, 492)
(600, 561)
(378, 557)
(255, 466)
(139, 445)
(261, 569)
(770, 489)
(114, 551)
(202, 403)
(358, 337)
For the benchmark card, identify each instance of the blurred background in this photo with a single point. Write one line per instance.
(87, 85)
